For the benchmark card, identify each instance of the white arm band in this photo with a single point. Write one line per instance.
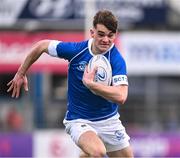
(119, 80)
(52, 48)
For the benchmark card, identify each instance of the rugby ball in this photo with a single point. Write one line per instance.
(104, 71)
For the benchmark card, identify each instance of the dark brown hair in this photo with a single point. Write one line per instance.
(106, 18)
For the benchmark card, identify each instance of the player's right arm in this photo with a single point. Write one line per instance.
(20, 78)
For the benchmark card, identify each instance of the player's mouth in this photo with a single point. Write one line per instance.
(105, 45)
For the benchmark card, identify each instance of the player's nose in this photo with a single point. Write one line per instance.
(106, 39)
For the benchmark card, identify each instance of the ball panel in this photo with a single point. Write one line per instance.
(104, 71)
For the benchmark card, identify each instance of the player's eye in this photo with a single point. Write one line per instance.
(110, 35)
(101, 34)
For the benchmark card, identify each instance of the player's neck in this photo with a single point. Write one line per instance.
(94, 50)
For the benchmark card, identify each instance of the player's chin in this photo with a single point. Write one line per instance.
(104, 48)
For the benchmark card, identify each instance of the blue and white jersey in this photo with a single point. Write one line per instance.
(82, 103)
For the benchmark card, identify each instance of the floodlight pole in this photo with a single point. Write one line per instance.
(90, 9)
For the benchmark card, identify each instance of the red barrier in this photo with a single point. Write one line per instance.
(14, 47)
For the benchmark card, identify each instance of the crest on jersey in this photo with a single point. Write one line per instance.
(81, 66)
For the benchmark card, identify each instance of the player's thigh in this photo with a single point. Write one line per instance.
(91, 144)
(126, 152)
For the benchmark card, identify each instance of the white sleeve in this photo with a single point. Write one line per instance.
(119, 80)
(52, 48)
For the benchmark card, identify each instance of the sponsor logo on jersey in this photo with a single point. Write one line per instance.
(120, 78)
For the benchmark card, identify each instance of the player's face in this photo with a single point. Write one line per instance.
(102, 39)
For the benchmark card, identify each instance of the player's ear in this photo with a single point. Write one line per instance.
(92, 33)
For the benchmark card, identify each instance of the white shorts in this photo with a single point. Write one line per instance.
(111, 131)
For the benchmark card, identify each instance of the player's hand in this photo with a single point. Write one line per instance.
(88, 77)
(16, 83)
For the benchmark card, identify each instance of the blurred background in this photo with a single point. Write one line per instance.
(149, 39)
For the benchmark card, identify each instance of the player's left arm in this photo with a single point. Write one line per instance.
(116, 93)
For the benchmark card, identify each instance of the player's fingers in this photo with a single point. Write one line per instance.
(17, 92)
(95, 70)
(11, 87)
(26, 87)
(9, 83)
(86, 68)
(26, 84)
(14, 92)
(85, 71)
